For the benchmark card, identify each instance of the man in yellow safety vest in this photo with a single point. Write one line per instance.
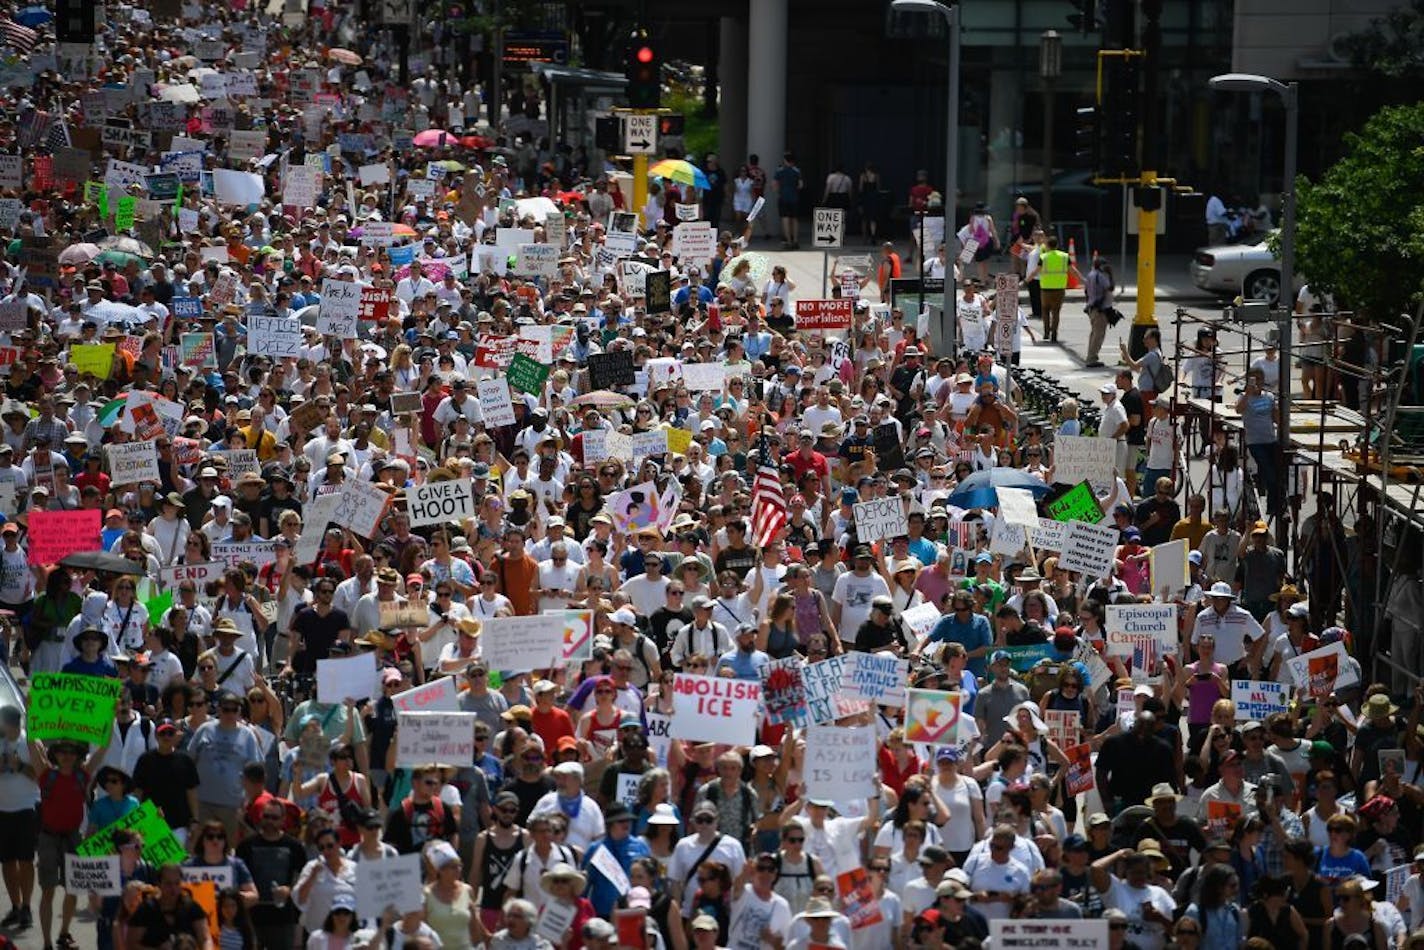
(1052, 272)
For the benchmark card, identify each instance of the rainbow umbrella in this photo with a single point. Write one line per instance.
(111, 411)
(682, 172)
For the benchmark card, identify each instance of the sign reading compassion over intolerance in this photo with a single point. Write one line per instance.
(715, 709)
(72, 706)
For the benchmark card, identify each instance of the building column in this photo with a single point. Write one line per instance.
(766, 95)
(732, 97)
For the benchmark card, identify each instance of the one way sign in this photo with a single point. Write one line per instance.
(829, 230)
(640, 134)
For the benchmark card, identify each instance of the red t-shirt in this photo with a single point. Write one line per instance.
(802, 464)
(552, 726)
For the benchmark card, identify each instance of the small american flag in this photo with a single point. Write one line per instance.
(768, 501)
(18, 36)
(32, 127)
(58, 136)
(1144, 654)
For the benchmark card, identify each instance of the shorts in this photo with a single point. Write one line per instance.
(52, 849)
(985, 252)
(788, 210)
(19, 834)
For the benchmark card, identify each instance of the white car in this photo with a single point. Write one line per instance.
(1249, 270)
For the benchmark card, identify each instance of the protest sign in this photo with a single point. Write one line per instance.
(98, 876)
(441, 695)
(636, 507)
(694, 242)
(348, 677)
(236, 187)
(1079, 458)
(14, 315)
(396, 614)
(199, 573)
(1076, 504)
(196, 350)
(160, 847)
(95, 359)
(1064, 726)
(523, 643)
(921, 619)
(858, 901)
(54, 535)
(554, 920)
(1394, 880)
(1221, 817)
(1089, 549)
(132, 462)
(876, 678)
(72, 706)
(1025, 657)
(1049, 934)
(339, 313)
(527, 375)
(879, 519)
(1169, 568)
(1048, 536)
(715, 709)
(603, 860)
(495, 404)
(277, 337)
(439, 502)
(651, 443)
(610, 370)
(840, 764)
(1006, 538)
(537, 260)
(1124, 622)
(423, 737)
(391, 882)
(1257, 699)
(679, 441)
(704, 377)
(825, 700)
(833, 314)
(1323, 671)
(1016, 506)
(783, 691)
(577, 634)
(232, 553)
(361, 507)
(1079, 777)
(240, 462)
(932, 717)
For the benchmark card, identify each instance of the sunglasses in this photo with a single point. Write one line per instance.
(704, 820)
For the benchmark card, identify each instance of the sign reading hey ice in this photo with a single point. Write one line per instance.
(715, 709)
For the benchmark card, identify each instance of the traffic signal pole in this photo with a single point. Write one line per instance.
(640, 181)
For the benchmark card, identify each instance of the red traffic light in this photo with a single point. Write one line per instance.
(644, 54)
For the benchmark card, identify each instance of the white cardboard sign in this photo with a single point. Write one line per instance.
(879, 519)
(523, 643)
(440, 502)
(495, 403)
(442, 695)
(715, 709)
(423, 737)
(133, 462)
(840, 764)
(347, 677)
(1079, 457)
(339, 313)
(1089, 549)
(390, 882)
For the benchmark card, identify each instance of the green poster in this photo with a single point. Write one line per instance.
(1077, 504)
(72, 706)
(159, 845)
(527, 375)
(1024, 658)
(126, 213)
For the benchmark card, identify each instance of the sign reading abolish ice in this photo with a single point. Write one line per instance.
(1257, 699)
(879, 519)
(437, 502)
(1126, 622)
(423, 737)
(72, 706)
(715, 709)
(840, 763)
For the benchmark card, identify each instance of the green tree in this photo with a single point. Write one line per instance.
(1360, 232)
(1392, 45)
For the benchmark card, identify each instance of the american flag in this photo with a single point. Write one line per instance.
(18, 36)
(58, 136)
(768, 501)
(1144, 654)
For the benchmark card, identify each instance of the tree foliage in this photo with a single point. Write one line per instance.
(1392, 45)
(1360, 229)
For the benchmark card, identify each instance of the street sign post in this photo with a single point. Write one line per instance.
(827, 233)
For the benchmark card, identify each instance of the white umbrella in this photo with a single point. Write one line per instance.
(307, 314)
(184, 93)
(538, 208)
(111, 312)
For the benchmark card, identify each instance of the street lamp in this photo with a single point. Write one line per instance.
(1285, 299)
(1050, 67)
(951, 158)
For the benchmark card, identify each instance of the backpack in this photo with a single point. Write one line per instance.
(638, 655)
(561, 850)
(1162, 376)
(437, 814)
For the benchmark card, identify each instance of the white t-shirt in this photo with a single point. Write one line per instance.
(985, 874)
(854, 594)
(17, 792)
(751, 915)
(1129, 900)
(647, 594)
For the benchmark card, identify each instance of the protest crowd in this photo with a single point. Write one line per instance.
(408, 543)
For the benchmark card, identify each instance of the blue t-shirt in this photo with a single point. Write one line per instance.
(101, 667)
(1338, 869)
(972, 635)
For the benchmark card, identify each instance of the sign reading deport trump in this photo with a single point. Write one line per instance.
(715, 709)
(72, 706)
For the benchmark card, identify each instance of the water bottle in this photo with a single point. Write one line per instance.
(280, 902)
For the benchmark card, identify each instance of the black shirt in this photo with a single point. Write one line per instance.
(1134, 765)
(165, 780)
(409, 835)
(1132, 405)
(1177, 840)
(738, 560)
(873, 636)
(160, 927)
(318, 633)
(272, 863)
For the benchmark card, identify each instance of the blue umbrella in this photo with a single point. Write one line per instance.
(978, 490)
(33, 16)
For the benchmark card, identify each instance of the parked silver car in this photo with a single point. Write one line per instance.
(1250, 270)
